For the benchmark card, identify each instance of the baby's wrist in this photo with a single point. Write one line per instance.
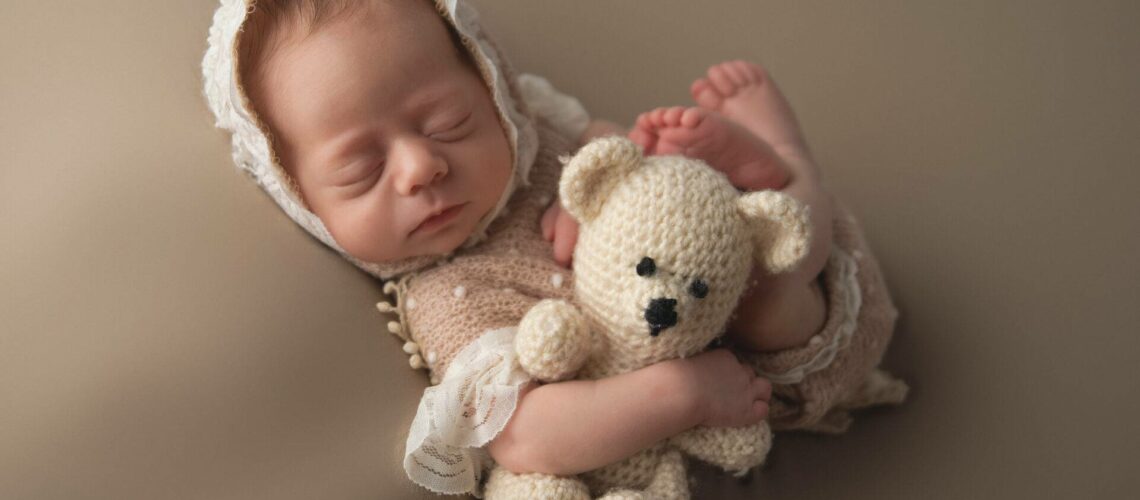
(678, 389)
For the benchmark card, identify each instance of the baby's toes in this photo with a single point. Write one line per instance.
(693, 117)
(721, 79)
(736, 72)
(643, 137)
(741, 72)
(753, 72)
(672, 116)
(645, 120)
(749, 73)
(654, 119)
(705, 95)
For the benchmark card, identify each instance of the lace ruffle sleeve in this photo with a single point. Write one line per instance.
(466, 410)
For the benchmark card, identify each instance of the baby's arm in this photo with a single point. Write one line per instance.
(575, 426)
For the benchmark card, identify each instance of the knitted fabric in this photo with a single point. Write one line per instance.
(648, 235)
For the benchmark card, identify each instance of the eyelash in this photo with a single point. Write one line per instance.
(366, 178)
(455, 127)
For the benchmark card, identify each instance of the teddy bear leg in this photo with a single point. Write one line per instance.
(734, 449)
(670, 482)
(506, 485)
(624, 495)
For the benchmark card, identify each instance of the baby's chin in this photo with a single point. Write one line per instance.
(444, 242)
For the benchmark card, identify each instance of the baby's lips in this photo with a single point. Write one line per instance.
(433, 214)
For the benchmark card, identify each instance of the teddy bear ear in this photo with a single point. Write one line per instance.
(779, 227)
(593, 172)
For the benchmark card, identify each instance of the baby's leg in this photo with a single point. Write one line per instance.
(749, 162)
(743, 92)
(786, 310)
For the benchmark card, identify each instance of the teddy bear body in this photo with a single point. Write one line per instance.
(665, 249)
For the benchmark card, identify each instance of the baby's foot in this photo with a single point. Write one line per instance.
(699, 133)
(744, 93)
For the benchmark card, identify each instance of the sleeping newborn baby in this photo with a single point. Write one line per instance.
(395, 132)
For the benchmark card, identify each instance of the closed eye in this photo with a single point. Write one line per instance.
(453, 132)
(356, 178)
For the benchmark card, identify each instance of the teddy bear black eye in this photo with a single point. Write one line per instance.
(646, 267)
(698, 289)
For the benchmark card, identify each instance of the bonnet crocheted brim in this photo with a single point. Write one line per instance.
(252, 149)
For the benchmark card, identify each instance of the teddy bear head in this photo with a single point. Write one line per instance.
(666, 246)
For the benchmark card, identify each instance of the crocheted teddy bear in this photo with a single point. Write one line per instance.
(665, 248)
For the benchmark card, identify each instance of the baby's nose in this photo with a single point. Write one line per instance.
(660, 315)
(417, 164)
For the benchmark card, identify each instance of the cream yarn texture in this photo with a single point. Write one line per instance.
(665, 248)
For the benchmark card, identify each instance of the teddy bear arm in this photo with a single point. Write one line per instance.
(734, 449)
(553, 340)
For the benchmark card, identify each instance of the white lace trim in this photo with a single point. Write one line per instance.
(846, 268)
(463, 413)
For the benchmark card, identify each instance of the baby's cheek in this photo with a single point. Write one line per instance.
(367, 232)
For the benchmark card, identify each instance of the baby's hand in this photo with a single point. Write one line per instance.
(561, 229)
(727, 393)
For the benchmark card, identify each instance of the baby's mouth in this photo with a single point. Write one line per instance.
(439, 219)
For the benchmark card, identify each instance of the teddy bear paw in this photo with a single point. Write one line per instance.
(552, 341)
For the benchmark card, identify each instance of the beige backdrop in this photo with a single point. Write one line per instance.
(166, 333)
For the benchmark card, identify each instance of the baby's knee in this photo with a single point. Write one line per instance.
(773, 318)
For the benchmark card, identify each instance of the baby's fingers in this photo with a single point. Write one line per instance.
(548, 219)
(759, 410)
(762, 388)
(565, 237)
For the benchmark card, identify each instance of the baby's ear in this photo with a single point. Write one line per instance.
(778, 225)
(592, 173)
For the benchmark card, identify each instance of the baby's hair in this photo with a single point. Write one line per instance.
(269, 21)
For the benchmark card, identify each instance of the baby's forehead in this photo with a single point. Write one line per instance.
(356, 70)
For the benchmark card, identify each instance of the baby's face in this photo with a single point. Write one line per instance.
(392, 137)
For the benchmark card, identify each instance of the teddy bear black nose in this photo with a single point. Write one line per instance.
(660, 315)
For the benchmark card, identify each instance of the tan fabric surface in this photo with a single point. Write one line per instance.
(167, 333)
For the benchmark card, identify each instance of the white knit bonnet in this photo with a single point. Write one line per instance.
(251, 146)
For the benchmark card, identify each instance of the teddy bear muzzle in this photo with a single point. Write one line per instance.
(661, 315)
